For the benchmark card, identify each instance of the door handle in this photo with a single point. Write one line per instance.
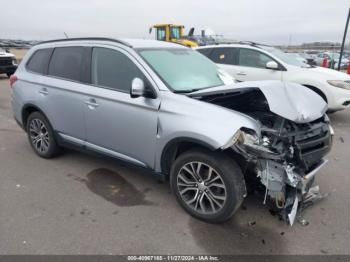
(91, 102)
(44, 91)
(241, 73)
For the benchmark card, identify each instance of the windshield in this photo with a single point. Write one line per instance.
(285, 57)
(185, 70)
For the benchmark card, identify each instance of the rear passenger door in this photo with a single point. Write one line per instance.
(117, 124)
(62, 97)
(227, 59)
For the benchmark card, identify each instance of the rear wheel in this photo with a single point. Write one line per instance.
(208, 185)
(41, 136)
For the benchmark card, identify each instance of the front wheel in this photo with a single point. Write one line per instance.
(208, 185)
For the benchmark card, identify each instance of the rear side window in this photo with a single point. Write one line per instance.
(67, 62)
(205, 51)
(113, 69)
(39, 61)
(227, 55)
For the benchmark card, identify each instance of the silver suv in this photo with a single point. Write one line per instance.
(170, 109)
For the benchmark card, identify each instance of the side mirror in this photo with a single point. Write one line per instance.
(272, 65)
(137, 88)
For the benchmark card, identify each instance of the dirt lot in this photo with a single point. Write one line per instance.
(19, 53)
(85, 204)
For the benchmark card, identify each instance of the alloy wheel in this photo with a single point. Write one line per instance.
(39, 136)
(201, 187)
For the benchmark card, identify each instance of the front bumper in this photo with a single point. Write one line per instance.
(8, 69)
(340, 99)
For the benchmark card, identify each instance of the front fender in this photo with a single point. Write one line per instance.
(188, 118)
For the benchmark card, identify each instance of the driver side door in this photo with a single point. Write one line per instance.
(117, 124)
(252, 66)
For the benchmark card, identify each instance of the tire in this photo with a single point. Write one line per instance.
(194, 195)
(45, 145)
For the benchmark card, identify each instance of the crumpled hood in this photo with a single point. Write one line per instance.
(289, 100)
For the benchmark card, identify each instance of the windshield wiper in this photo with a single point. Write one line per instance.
(187, 91)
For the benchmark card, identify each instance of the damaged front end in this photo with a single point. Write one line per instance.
(290, 146)
(286, 156)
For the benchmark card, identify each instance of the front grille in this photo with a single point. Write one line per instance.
(312, 146)
(5, 61)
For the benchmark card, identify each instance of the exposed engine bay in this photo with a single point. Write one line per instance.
(285, 155)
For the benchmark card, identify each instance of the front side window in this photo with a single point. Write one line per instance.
(184, 70)
(225, 55)
(161, 34)
(39, 61)
(175, 32)
(113, 69)
(67, 62)
(253, 58)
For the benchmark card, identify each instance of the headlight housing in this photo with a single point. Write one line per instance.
(340, 84)
(243, 136)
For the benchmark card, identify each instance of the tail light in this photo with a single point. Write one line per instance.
(13, 79)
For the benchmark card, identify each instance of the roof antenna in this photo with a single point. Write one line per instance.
(65, 35)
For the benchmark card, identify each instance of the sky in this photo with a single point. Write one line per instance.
(266, 21)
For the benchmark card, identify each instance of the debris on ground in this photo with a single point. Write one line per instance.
(341, 139)
(282, 233)
(251, 223)
(302, 221)
(243, 234)
(263, 241)
(243, 207)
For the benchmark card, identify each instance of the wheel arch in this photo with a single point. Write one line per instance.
(317, 91)
(176, 146)
(27, 110)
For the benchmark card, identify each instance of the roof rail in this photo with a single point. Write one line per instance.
(86, 39)
(242, 43)
(252, 43)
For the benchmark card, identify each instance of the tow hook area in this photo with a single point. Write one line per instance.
(292, 192)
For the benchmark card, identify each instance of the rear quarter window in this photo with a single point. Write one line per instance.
(67, 62)
(39, 61)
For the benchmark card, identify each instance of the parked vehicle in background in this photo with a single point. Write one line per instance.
(8, 62)
(298, 57)
(312, 53)
(249, 62)
(167, 108)
(309, 58)
(332, 59)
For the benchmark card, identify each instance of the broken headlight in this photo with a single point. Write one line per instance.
(249, 137)
(243, 136)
